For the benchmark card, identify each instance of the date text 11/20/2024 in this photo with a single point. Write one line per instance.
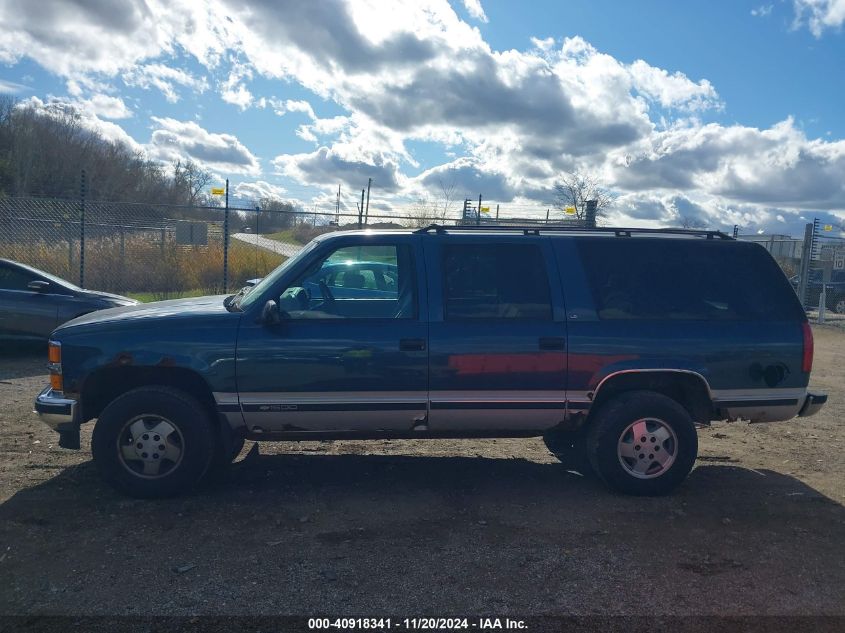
(420, 624)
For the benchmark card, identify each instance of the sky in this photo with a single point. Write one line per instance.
(722, 112)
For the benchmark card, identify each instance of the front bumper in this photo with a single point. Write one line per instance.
(812, 403)
(56, 411)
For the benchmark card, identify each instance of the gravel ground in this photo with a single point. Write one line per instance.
(430, 527)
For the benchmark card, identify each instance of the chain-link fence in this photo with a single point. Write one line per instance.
(158, 251)
(815, 266)
(140, 249)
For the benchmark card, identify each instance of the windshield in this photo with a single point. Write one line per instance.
(253, 294)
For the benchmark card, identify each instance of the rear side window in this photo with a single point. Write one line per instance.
(685, 280)
(13, 279)
(495, 281)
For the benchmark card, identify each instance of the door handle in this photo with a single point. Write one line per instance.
(552, 342)
(412, 344)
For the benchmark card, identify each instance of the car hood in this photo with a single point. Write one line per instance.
(152, 312)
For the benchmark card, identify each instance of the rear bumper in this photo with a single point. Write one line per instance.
(813, 402)
(56, 411)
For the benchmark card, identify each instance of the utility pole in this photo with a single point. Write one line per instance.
(478, 215)
(337, 207)
(82, 230)
(497, 213)
(361, 210)
(226, 242)
(367, 210)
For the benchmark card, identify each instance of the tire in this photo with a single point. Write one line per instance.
(570, 448)
(153, 442)
(621, 460)
(838, 305)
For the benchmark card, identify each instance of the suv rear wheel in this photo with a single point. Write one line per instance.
(642, 443)
(153, 442)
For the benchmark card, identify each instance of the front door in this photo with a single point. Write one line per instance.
(350, 352)
(497, 335)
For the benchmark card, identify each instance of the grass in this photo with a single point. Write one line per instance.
(148, 297)
(282, 236)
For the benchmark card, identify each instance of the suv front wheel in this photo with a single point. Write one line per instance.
(642, 443)
(153, 442)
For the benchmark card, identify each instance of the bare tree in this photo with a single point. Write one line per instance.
(574, 189)
(427, 210)
(190, 180)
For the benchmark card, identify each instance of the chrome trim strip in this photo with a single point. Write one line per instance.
(333, 397)
(653, 370)
(514, 396)
(768, 393)
(224, 397)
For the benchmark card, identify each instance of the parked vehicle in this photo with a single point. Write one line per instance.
(834, 290)
(611, 342)
(34, 303)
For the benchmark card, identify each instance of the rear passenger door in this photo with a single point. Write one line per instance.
(497, 334)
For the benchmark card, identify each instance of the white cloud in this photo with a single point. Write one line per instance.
(326, 166)
(475, 10)
(259, 189)
(819, 15)
(107, 107)
(413, 71)
(763, 11)
(164, 78)
(672, 90)
(10, 87)
(86, 117)
(221, 153)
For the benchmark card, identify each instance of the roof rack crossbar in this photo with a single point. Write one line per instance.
(533, 229)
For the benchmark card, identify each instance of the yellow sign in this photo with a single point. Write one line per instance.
(569, 210)
(828, 227)
(217, 191)
(485, 209)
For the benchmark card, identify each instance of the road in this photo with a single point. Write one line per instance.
(282, 248)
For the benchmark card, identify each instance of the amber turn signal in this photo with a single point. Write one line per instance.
(54, 352)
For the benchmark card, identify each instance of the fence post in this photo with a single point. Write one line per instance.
(82, 230)
(591, 208)
(226, 242)
(804, 269)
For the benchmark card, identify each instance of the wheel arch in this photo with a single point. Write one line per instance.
(689, 388)
(107, 383)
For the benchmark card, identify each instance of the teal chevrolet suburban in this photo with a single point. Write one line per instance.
(611, 344)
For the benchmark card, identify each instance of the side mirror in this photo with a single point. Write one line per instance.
(270, 313)
(38, 285)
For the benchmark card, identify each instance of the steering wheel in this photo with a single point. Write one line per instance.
(328, 297)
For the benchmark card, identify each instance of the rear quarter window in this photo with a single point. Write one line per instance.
(681, 279)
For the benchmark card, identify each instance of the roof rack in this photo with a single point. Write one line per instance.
(563, 228)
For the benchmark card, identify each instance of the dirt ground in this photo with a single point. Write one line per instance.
(430, 527)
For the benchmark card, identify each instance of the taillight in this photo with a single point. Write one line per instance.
(54, 366)
(807, 360)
